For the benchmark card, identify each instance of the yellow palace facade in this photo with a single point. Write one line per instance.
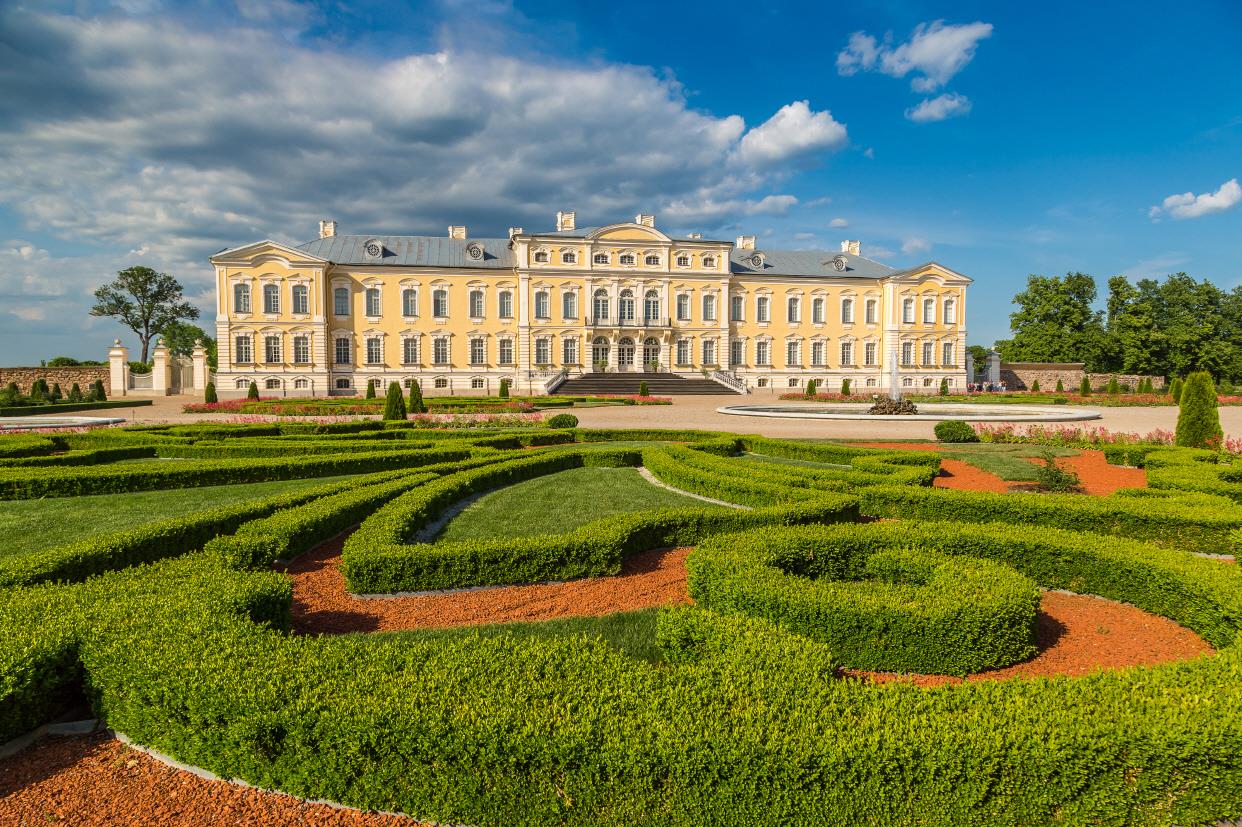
(459, 313)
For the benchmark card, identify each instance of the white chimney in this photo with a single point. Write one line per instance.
(745, 242)
(852, 247)
(695, 236)
(327, 229)
(565, 221)
(457, 231)
(645, 220)
(514, 231)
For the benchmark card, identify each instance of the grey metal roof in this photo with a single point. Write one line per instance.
(806, 263)
(413, 251)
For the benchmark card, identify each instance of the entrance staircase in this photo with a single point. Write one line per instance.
(626, 384)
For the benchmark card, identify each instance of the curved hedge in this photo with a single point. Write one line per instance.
(895, 609)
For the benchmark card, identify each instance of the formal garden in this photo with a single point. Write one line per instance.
(549, 624)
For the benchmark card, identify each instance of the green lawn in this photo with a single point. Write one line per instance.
(33, 525)
(561, 502)
(633, 633)
(1009, 462)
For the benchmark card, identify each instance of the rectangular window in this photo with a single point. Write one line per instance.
(478, 351)
(569, 304)
(817, 354)
(929, 353)
(847, 353)
(763, 354)
(373, 301)
(476, 304)
(440, 351)
(439, 301)
(506, 352)
(907, 311)
(869, 353)
(683, 307)
(241, 298)
(871, 311)
(793, 353)
(543, 351)
(301, 299)
(341, 354)
(569, 349)
(683, 351)
(761, 309)
(409, 351)
(795, 310)
(541, 305)
(950, 311)
(301, 350)
(709, 308)
(737, 353)
(709, 351)
(506, 304)
(946, 353)
(375, 350)
(907, 353)
(340, 301)
(847, 311)
(737, 308)
(271, 298)
(409, 302)
(929, 311)
(241, 350)
(817, 311)
(271, 349)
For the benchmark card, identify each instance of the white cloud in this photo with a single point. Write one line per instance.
(33, 313)
(915, 245)
(794, 132)
(878, 252)
(948, 105)
(934, 54)
(838, 222)
(1189, 205)
(804, 236)
(869, 153)
(1158, 267)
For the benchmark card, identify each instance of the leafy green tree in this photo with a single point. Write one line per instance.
(63, 362)
(144, 301)
(417, 406)
(1198, 420)
(1175, 390)
(394, 405)
(253, 391)
(1055, 322)
(181, 336)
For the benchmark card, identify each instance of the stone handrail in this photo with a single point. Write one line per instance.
(729, 381)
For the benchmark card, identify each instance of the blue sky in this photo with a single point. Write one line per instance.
(1105, 138)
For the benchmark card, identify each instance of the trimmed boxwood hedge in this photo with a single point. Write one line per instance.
(894, 609)
(71, 407)
(13, 446)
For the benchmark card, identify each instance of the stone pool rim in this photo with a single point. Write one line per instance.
(928, 412)
(32, 423)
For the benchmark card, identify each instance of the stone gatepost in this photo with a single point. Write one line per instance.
(201, 372)
(161, 370)
(970, 368)
(118, 369)
(994, 372)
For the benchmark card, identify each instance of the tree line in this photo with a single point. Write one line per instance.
(1164, 328)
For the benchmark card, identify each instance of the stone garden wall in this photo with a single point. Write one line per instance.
(1021, 375)
(84, 376)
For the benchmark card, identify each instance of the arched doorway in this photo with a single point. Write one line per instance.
(651, 353)
(599, 354)
(625, 354)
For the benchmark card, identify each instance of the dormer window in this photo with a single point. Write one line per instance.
(373, 249)
(569, 258)
(652, 261)
(601, 258)
(683, 260)
(541, 257)
(626, 260)
(709, 262)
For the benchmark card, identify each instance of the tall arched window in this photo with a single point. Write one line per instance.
(271, 298)
(709, 308)
(373, 301)
(600, 304)
(794, 309)
(599, 352)
(301, 299)
(737, 308)
(625, 305)
(763, 353)
(683, 307)
(241, 298)
(929, 311)
(950, 311)
(847, 311)
(569, 304)
(871, 311)
(439, 302)
(506, 304)
(929, 353)
(651, 305)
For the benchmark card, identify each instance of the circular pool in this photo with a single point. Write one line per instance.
(930, 412)
(27, 423)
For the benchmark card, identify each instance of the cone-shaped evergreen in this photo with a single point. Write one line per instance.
(642, 388)
(394, 405)
(1113, 386)
(1198, 421)
(253, 391)
(55, 395)
(209, 393)
(370, 389)
(1035, 386)
(845, 387)
(944, 387)
(1175, 390)
(1060, 386)
(416, 398)
(810, 387)
(98, 392)
(504, 388)
(75, 393)
(1084, 389)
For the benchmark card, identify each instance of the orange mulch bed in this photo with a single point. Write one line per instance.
(97, 780)
(322, 605)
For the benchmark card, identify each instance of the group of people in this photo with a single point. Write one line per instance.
(987, 387)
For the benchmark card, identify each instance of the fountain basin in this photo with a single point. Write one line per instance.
(928, 412)
(29, 423)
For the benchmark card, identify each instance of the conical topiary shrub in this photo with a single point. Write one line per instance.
(417, 406)
(1175, 390)
(1060, 386)
(97, 392)
(1198, 421)
(394, 405)
(810, 387)
(253, 391)
(55, 395)
(1035, 386)
(75, 393)
(1084, 388)
(370, 389)
(1113, 386)
(944, 386)
(504, 388)
(845, 387)
(642, 388)
(209, 393)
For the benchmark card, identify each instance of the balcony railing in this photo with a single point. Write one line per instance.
(637, 321)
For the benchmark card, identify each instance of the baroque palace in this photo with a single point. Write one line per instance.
(459, 314)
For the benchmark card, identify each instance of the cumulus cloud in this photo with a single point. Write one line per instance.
(1189, 205)
(838, 222)
(915, 245)
(948, 105)
(794, 132)
(934, 54)
(146, 133)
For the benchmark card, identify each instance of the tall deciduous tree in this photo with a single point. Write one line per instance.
(181, 336)
(1055, 322)
(144, 301)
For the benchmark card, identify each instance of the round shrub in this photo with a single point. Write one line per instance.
(1198, 421)
(954, 430)
(563, 420)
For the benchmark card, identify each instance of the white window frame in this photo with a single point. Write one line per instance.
(847, 310)
(477, 303)
(272, 349)
(440, 302)
(683, 307)
(929, 311)
(763, 309)
(569, 351)
(374, 302)
(793, 353)
(338, 350)
(504, 304)
(543, 309)
(817, 310)
(569, 304)
(871, 311)
(847, 353)
(339, 292)
(793, 310)
(241, 297)
(478, 350)
(409, 350)
(907, 311)
(505, 352)
(737, 308)
(243, 350)
(817, 354)
(271, 298)
(709, 307)
(300, 299)
(438, 344)
(301, 349)
(375, 350)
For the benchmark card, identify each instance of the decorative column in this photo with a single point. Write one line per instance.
(201, 373)
(118, 369)
(161, 373)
